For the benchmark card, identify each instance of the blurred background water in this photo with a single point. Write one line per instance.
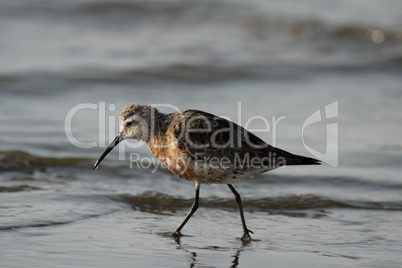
(232, 58)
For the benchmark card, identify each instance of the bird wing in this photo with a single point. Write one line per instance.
(214, 140)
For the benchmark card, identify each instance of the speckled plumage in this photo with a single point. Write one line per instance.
(201, 147)
(205, 148)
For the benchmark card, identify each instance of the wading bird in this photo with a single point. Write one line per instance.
(203, 148)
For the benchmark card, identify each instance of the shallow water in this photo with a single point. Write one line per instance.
(274, 60)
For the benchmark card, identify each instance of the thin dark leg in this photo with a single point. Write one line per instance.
(193, 209)
(246, 232)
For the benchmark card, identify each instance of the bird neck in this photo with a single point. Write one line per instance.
(158, 124)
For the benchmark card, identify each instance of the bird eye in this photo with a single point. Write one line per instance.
(129, 123)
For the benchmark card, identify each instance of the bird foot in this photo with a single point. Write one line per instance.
(246, 236)
(176, 234)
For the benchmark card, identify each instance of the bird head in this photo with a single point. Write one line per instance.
(135, 123)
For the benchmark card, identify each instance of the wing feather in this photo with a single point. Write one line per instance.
(208, 139)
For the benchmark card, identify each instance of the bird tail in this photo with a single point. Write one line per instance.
(301, 160)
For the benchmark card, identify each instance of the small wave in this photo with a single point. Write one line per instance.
(22, 161)
(159, 203)
(315, 28)
(174, 72)
(191, 72)
(18, 188)
(249, 16)
(199, 72)
(171, 9)
(33, 225)
(334, 181)
(137, 7)
(50, 223)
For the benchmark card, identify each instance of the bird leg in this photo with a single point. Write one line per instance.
(246, 232)
(191, 212)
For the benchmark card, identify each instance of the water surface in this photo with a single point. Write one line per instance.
(230, 58)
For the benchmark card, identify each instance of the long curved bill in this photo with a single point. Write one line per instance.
(113, 144)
